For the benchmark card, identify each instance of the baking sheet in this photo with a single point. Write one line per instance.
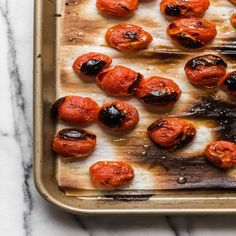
(82, 30)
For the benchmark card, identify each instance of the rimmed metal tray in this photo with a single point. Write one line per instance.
(46, 67)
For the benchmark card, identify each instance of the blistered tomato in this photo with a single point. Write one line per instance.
(205, 70)
(119, 81)
(228, 83)
(76, 109)
(233, 19)
(74, 143)
(119, 8)
(221, 154)
(173, 9)
(157, 91)
(192, 33)
(172, 132)
(118, 116)
(111, 174)
(91, 63)
(128, 37)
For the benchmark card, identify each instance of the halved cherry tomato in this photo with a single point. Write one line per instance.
(76, 109)
(74, 143)
(91, 63)
(111, 174)
(119, 81)
(128, 37)
(228, 83)
(120, 8)
(172, 132)
(173, 9)
(118, 116)
(205, 70)
(221, 154)
(158, 91)
(192, 33)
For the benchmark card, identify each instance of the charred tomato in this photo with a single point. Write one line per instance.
(228, 83)
(221, 154)
(172, 132)
(205, 70)
(119, 8)
(91, 63)
(118, 116)
(128, 37)
(233, 19)
(77, 109)
(119, 81)
(74, 143)
(192, 33)
(157, 91)
(111, 174)
(173, 9)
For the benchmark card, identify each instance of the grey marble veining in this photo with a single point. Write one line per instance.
(22, 211)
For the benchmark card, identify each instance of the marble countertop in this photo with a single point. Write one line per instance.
(22, 210)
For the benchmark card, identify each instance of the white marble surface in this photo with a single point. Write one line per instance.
(22, 210)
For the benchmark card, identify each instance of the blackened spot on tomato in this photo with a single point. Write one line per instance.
(92, 67)
(123, 7)
(230, 82)
(206, 60)
(182, 140)
(159, 97)
(54, 107)
(200, 25)
(76, 134)
(173, 10)
(133, 87)
(111, 116)
(131, 35)
(156, 125)
(188, 42)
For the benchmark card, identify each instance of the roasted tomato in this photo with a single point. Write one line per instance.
(233, 19)
(157, 91)
(120, 8)
(118, 116)
(221, 154)
(192, 33)
(233, 1)
(205, 70)
(74, 142)
(172, 132)
(91, 63)
(119, 81)
(228, 83)
(173, 9)
(127, 37)
(76, 109)
(111, 174)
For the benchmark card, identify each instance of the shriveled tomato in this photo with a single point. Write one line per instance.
(205, 70)
(76, 109)
(111, 174)
(228, 83)
(118, 116)
(74, 143)
(221, 154)
(233, 19)
(91, 63)
(128, 37)
(192, 33)
(119, 8)
(173, 9)
(172, 132)
(158, 91)
(119, 81)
